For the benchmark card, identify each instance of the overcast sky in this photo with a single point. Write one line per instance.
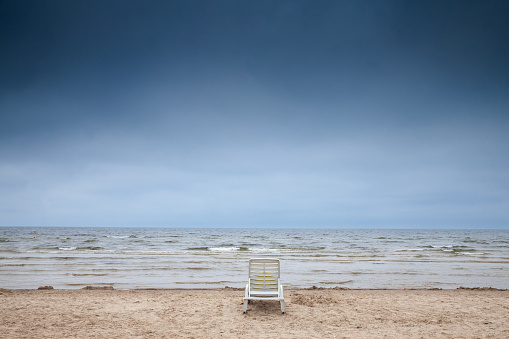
(255, 113)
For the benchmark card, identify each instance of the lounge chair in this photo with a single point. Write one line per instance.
(263, 283)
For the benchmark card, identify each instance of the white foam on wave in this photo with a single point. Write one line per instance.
(224, 249)
(266, 250)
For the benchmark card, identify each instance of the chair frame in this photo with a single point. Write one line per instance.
(264, 282)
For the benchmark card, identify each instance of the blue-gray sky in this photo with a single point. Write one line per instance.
(254, 113)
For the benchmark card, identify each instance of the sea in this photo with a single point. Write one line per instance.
(194, 258)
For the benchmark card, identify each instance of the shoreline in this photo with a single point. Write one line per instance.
(217, 313)
(312, 288)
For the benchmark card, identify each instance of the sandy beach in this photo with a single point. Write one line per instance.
(310, 313)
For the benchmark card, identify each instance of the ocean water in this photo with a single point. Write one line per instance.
(130, 258)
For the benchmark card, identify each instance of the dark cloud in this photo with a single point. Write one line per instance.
(227, 113)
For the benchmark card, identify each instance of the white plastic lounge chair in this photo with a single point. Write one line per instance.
(263, 283)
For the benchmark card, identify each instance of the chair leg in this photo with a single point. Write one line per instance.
(245, 305)
(282, 306)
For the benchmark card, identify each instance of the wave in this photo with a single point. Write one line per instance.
(228, 249)
(11, 251)
(456, 250)
(336, 282)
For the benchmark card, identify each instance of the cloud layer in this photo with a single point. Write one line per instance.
(226, 114)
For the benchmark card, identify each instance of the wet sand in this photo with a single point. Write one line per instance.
(319, 313)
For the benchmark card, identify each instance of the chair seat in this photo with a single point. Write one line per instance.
(264, 294)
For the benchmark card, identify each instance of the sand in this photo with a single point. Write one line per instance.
(317, 313)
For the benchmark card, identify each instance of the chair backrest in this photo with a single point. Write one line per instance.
(264, 274)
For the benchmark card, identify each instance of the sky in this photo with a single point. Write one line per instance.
(348, 114)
